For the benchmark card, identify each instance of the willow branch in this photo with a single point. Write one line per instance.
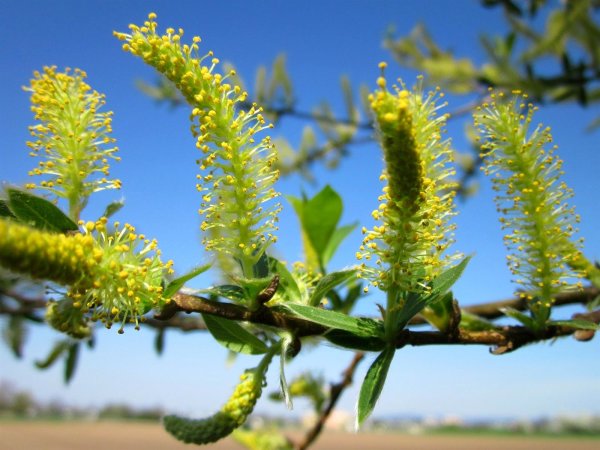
(177, 322)
(493, 310)
(502, 339)
(264, 316)
(335, 393)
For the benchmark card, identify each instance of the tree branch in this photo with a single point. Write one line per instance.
(503, 339)
(493, 310)
(335, 393)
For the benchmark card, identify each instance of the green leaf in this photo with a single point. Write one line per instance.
(38, 212)
(413, 304)
(472, 322)
(529, 322)
(14, 334)
(346, 339)
(5, 210)
(310, 254)
(579, 324)
(328, 282)
(252, 287)
(288, 288)
(58, 349)
(112, 208)
(359, 326)
(336, 239)
(233, 336)
(439, 313)
(446, 280)
(174, 286)
(71, 361)
(261, 268)
(229, 291)
(373, 385)
(320, 217)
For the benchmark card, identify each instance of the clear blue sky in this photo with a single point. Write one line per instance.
(322, 40)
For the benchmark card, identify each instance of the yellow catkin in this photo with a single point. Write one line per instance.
(237, 168)
(71, 137)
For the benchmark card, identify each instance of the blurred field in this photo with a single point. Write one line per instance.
(134, 436)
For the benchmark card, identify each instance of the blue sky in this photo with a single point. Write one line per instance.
(322, 41)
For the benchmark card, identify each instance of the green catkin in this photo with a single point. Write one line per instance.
(532, 199)
(231, 416)
(416, 205)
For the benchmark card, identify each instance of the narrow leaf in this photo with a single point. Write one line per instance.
(328, 282)
(529, 322)
(320, 218)
(233, 336)
(71, 361)
(336, 239)
(446, 280)
(439, 313)
(176, 284)
(5, 210)
(38, 212)
(112, 208)
(472, 322)
(288, 288)
(362, 327)
(346, 339)
(14, 334)
(579, 324)
(58, 349)
(261, 268)
(413, 305)
(373, 385)
(310, 254)
(229, 291)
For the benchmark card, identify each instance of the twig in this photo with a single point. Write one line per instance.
(336, 391)
(503, 340)
(493, 310)
(180, 323)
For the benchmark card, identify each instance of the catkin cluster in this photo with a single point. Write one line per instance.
(110, 277)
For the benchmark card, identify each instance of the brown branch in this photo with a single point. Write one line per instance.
(336, 391)
(264, 316)
(180, 323)
(492, 310)
(503, 339)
